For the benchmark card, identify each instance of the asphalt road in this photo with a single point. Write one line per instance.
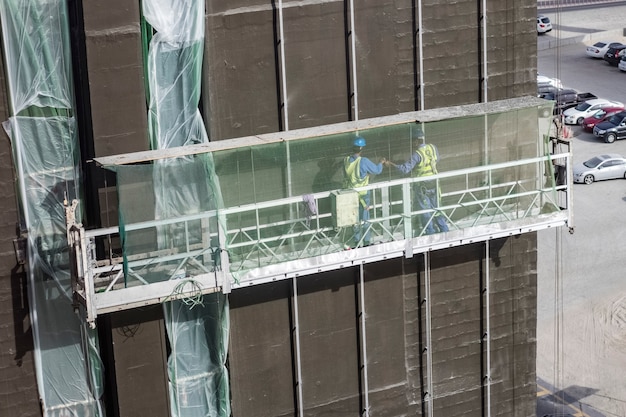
(581, 334)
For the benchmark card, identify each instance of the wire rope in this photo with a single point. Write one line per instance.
(558, 296)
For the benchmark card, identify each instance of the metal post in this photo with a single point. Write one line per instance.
(428, 397)
(421, 53)
(366, 406)
(485, 74)
(296, 331)
(355, 90)
(283, 71)
(487, 335)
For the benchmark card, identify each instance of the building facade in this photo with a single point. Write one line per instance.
(443, 332)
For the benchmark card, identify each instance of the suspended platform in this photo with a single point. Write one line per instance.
(232, 245)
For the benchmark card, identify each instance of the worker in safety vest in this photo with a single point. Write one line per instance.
(357, 172)
(426, 194)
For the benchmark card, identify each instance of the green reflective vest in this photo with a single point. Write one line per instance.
(428, 163)
(352, 177)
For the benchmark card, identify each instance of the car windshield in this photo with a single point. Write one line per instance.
(615, 119)
(599, 44)
(583, 106)
(593, 162)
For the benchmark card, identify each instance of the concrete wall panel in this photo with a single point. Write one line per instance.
(139, 348)
(451, 58)
(385, 52)
(329, 339)
(316, 64)
(511, 49)
(261, 358)
(116, 79)
(240, 71)
(390, 390)
(456, 330)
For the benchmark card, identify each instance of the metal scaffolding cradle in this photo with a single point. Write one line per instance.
(237, 245)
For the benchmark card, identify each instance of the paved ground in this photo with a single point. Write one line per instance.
(581, 332)
(586, 24)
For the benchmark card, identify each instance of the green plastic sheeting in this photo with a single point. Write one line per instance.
(198, 331)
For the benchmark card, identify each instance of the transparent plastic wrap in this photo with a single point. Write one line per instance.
(198, 379)
(45, 151)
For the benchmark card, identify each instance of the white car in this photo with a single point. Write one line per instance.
(543, 24)
(576, 115)
(622, 63)
(602, 167)
(598, 49)
(543, 81)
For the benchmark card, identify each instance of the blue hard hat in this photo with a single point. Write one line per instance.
(359, 142)
(418, 134)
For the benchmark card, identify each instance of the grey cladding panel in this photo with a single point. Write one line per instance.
(260, 357)
(240, 76)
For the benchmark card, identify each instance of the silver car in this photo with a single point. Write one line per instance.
(602, 167)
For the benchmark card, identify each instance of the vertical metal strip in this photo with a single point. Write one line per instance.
(420, 30)
(487, 335)
(355, 88)
(296, 331)
(485, 74)
(366, 411)
(283, 71)
(429, 359)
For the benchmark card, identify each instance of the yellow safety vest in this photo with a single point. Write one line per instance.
(428, 163)
(353, 178)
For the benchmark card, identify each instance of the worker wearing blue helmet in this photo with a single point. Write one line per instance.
(358, 170)
(426, 194)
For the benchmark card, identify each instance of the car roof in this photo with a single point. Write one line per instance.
(610, 156)
(599, 101)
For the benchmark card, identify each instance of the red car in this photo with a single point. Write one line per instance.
(599, 117)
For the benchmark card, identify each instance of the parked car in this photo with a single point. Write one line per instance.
(622, 63)
(544, 89)
(602, 167)
(543, 81)
(543, 24)
(565, 98)
(575, 115)
(614, 54)
(600, 116)
(598, 49)
(613, 128)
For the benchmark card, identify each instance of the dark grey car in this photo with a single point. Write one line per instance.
(614, 128)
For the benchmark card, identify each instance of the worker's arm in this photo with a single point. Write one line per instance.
(407, 166)
(368, 167)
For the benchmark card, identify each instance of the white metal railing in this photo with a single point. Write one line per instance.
(281, 232)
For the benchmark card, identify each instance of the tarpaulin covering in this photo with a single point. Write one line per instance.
(198, 331)
(45, 149)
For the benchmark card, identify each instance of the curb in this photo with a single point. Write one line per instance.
(615, 34)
